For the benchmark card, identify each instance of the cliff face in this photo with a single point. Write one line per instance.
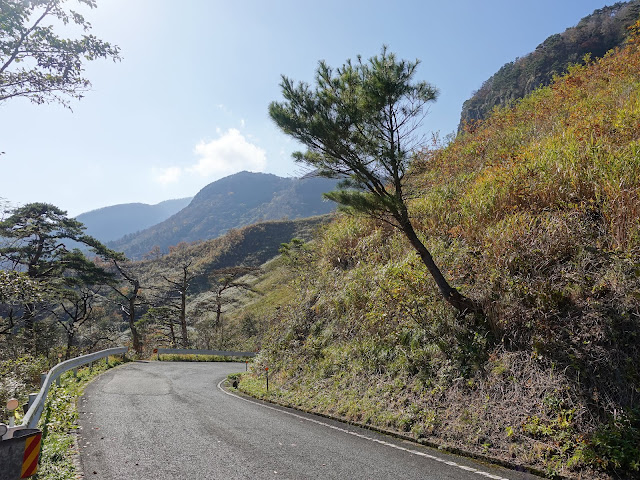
(594, 35)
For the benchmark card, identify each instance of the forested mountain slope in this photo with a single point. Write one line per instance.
(535, 214)
(595, 34)
(233, 202)
(250, 246)
(215, 275)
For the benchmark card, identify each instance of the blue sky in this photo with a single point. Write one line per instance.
(187, 105)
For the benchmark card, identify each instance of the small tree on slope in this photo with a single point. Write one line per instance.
(361, 123)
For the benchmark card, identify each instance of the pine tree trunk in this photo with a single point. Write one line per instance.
(135, 336)
(29, 330)
(461, 303)
(67, 353)
(183, 318)
(172, 335)
(219, 321)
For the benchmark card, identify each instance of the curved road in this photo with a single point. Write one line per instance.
(166, 420)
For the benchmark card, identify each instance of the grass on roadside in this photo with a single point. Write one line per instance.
(200, 358)
(59, 422)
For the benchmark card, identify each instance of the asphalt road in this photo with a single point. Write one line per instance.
(166, 420)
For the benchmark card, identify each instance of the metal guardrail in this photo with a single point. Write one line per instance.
(32, 417)
(221, 353)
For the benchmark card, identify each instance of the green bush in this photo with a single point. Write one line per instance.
(615, 446)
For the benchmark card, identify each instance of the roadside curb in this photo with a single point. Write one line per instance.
(399, 435)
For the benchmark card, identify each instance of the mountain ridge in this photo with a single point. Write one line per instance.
(234, 201)
(115, 221)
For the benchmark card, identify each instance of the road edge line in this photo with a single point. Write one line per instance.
(265, 403)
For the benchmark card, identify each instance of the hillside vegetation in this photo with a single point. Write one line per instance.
(594, 35)
(248, 246)
(237, 255)
(535, 214)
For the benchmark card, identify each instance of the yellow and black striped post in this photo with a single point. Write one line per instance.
(19, 455)
(31, 455)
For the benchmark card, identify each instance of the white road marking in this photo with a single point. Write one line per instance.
(375, 440)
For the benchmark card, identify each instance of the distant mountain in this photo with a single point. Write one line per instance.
(114, 222)
(596, 34)
(233, 202)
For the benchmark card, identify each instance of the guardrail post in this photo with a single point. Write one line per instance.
(27, 406)
(43, 378)
(32, 398)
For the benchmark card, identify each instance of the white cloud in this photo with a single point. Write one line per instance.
(229, 153)
(165, 176)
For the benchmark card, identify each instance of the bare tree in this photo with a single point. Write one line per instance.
(224, 281)
(163, 319)
(181, 287)
(74, 310)
(131, 298)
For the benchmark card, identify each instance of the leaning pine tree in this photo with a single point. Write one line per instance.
(361, 123)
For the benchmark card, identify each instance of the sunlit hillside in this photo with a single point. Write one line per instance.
(536, 215)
